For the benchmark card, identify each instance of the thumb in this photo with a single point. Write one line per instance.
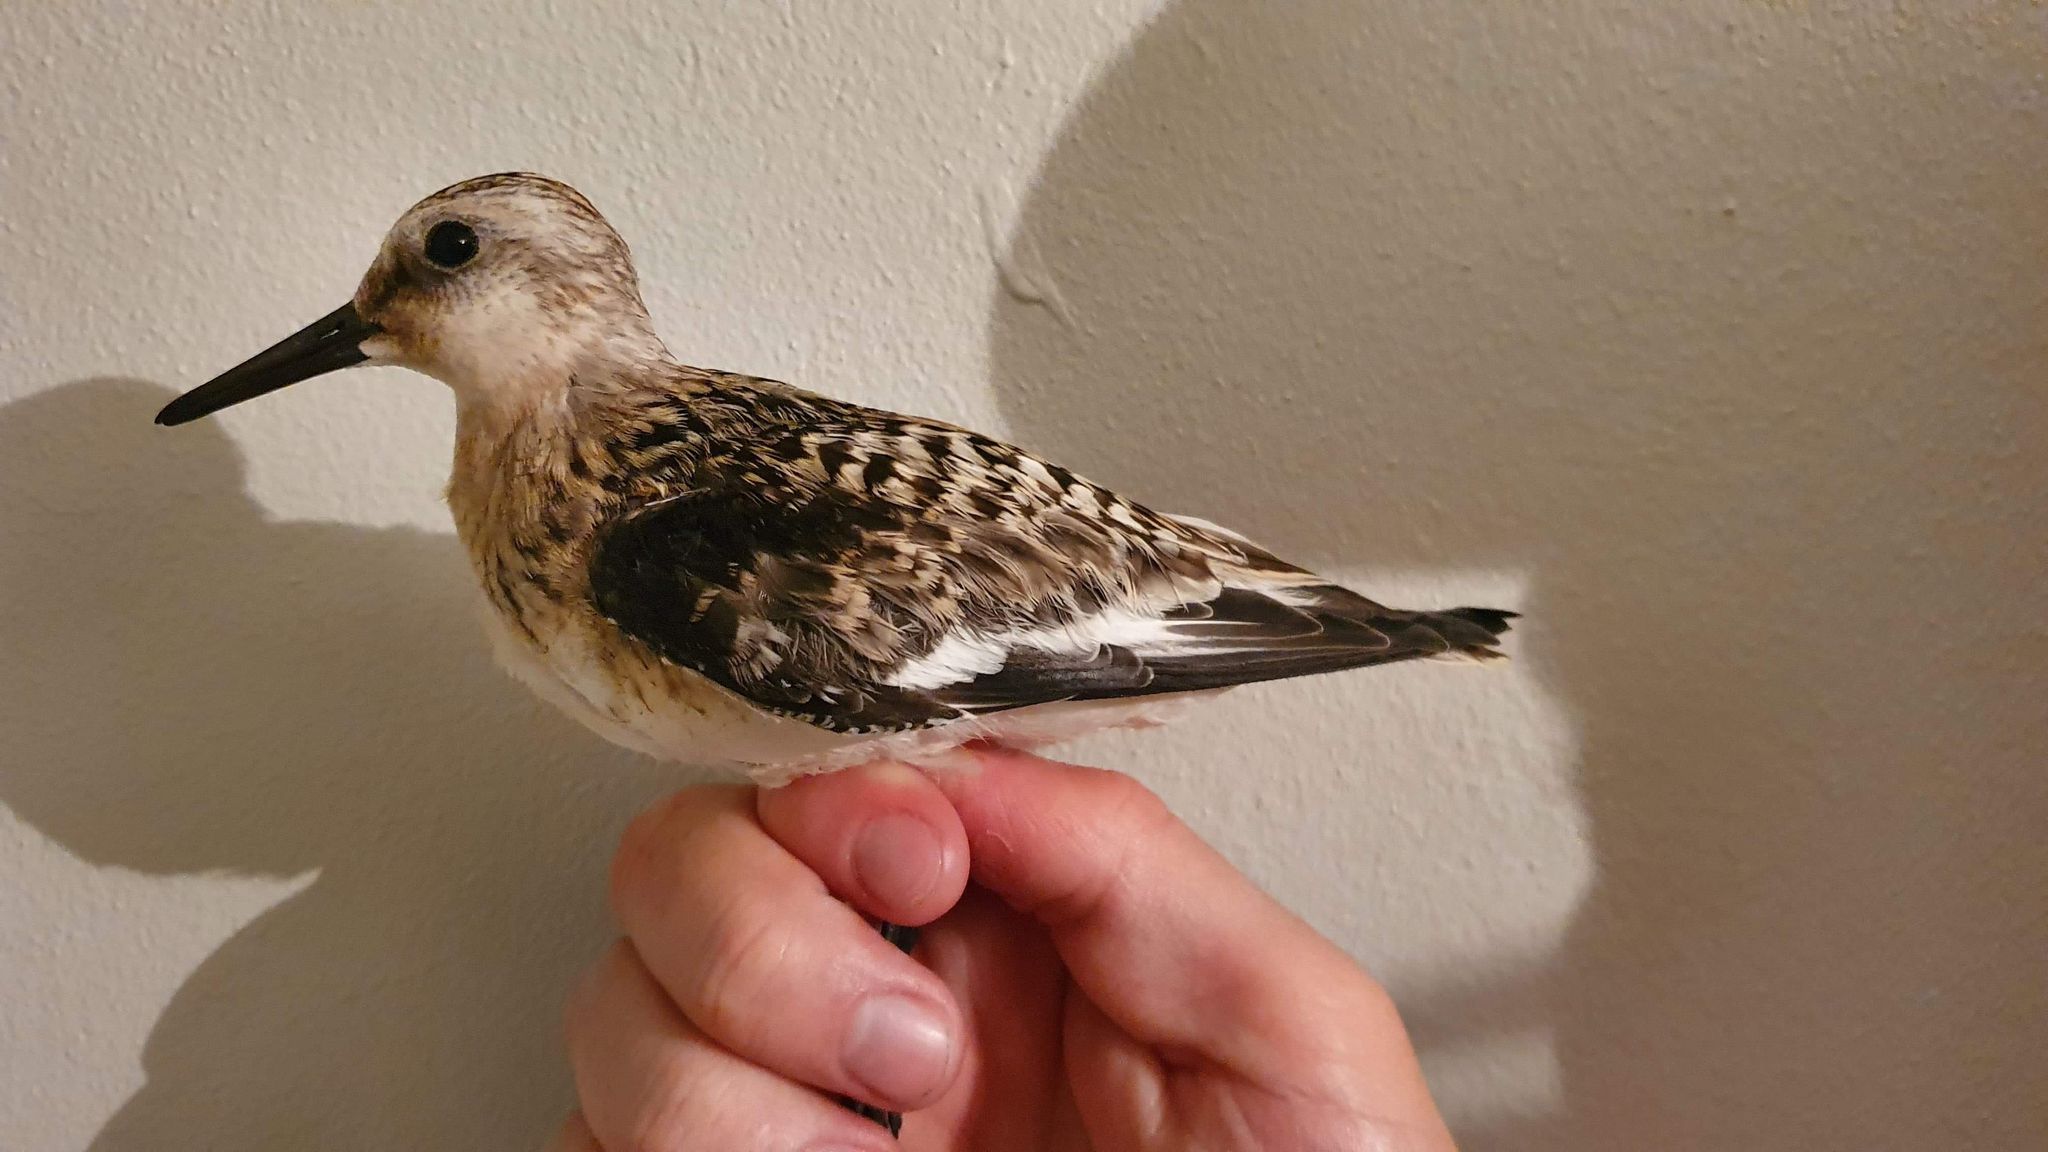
(1174, 945)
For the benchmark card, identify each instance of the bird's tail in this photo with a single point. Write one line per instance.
(1471, 633)
(1450, 634)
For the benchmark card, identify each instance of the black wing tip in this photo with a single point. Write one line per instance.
(1473, 633)
(1496, 621)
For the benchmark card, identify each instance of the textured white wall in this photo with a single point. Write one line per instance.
(1713, 335)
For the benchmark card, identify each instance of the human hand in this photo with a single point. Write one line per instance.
(1108, 982)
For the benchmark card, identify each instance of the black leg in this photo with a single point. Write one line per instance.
(906, 939)
(902, 937)
(893, 1121)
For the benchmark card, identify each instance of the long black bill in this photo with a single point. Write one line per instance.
(333, 341)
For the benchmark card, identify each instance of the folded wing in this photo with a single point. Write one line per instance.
(869, 572)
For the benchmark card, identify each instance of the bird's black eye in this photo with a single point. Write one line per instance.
(451, 244)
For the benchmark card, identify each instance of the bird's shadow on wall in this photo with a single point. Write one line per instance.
(1724, 324)
(207, 689)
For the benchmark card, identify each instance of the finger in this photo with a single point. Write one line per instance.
(754, 952)
(650, 1081)
(1170, 941)
(1009, 984)
(882, 837)
(1109, 1069)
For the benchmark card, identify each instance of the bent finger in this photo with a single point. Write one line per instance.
(751, 948)
(651, 1081)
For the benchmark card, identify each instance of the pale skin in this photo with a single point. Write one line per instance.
(1092, 977)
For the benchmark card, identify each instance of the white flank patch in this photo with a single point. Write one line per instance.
(965, 655)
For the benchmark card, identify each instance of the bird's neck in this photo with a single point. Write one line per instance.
(518, 413)
(502, 453)
(536, 432)
(520, 485)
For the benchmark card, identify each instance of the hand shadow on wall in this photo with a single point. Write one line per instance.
(229, 692)
(1413, 285)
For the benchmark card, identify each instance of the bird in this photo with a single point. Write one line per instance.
(723, 569)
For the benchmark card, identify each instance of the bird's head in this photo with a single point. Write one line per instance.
(496, 286)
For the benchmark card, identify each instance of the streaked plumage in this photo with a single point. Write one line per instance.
(716, 567)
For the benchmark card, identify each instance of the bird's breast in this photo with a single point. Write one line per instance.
(577, 662)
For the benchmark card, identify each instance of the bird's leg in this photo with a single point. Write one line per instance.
(904, 938)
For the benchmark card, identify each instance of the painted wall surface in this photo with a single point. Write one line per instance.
(1714, 336)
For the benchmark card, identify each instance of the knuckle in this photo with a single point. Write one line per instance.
(653, 851)
(1131, 806)
(637, 865)
(579, 1009)
(1132, 816)
(664, 1125)
(1376, 1005)
(746, 943)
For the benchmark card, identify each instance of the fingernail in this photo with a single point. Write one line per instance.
(896, 858)
(899, 1048)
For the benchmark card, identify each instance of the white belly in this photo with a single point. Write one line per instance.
(674, 714)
